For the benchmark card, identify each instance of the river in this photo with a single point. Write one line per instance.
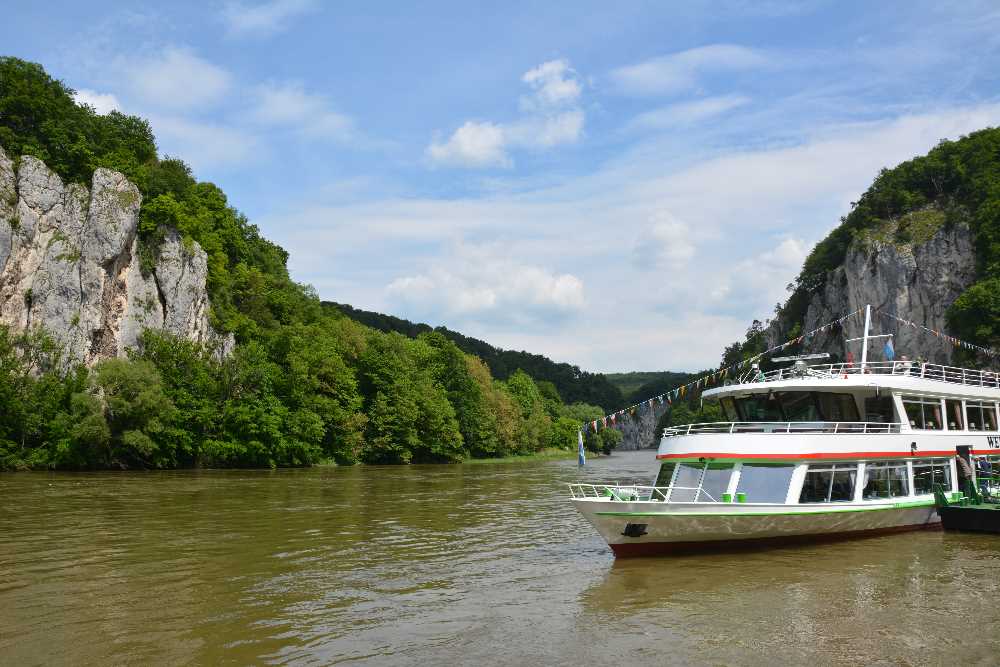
(462, 564)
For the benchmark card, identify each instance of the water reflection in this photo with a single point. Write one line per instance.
(446, 564)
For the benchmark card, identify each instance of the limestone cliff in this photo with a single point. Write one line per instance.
(917, 281)
(639, 430)
(69, 264)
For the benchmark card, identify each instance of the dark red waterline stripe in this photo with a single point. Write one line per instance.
(631, 549)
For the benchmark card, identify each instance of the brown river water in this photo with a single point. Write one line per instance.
(464, 564)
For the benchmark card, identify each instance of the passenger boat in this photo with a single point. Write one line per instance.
(811, 452)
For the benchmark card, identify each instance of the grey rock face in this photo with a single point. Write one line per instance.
(917, 283)
(639, 430)
(69, 264)
(8, 206)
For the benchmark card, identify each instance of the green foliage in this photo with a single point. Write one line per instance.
(139, 416)
(39, 117)
(976, 313)
(571, 383)
(305, 384)
(604, 441)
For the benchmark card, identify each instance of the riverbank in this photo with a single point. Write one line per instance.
(550, 454)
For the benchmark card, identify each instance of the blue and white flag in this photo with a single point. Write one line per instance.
(582, 457)
(890, 352)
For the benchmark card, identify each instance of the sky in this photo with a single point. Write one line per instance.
(622, 186)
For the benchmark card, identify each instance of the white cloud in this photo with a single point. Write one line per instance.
(552, 117)
(472, 145)
(764, 277)
(177, 79)
(484, 282)
(290, 105)
(203, 145)
(687, 113)
(554, 84)
(263, 18)
(665, 244)
(740, 222)
(680, 71)
(545, 131)
(103, 103)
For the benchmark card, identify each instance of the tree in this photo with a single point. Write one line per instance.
(139, 414)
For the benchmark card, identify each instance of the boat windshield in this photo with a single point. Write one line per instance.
(793, 406)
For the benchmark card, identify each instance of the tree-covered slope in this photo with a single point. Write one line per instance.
(573, 384)
(304, 383)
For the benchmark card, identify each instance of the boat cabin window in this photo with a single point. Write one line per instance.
(799, 406)
(687, 482)
(730, 408)
(765, 482)
(982, 416)
(953, 411)
(759, 408)
(927, 472)
(923, 413)
(796, 406)
(829, 483)
(879, 409)
(886, 479)
(703, 482)
(715, 482)
(838, 407)
(666, 474)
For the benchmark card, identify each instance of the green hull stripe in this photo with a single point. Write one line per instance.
(895, 506)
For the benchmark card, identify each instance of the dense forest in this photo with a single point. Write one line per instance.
(573, 384)
(956, 182)
(305, 383)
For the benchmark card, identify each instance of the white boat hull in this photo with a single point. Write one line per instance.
(678, 527)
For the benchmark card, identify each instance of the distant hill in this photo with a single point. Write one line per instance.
(640, 385)
(573, 384)
(629, 382)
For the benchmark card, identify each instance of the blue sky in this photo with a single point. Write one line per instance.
(623, 186)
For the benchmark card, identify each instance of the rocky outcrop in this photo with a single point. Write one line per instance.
(639, 430)
(69, 264)
(914, 281)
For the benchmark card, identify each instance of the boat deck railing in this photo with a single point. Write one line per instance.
(632, 492)
(783, 427)
(927, 371)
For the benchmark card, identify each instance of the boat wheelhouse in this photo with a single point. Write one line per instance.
(808, 453)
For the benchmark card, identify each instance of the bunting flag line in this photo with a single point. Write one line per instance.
(671, 395)
(938, 334)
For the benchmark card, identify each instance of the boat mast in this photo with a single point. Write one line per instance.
(864, 340)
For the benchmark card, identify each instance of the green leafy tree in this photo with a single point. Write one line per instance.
(139, 414)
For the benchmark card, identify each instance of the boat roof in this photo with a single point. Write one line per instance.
(899, 376)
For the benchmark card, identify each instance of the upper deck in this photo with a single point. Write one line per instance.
(905, 376)
(839, 411)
